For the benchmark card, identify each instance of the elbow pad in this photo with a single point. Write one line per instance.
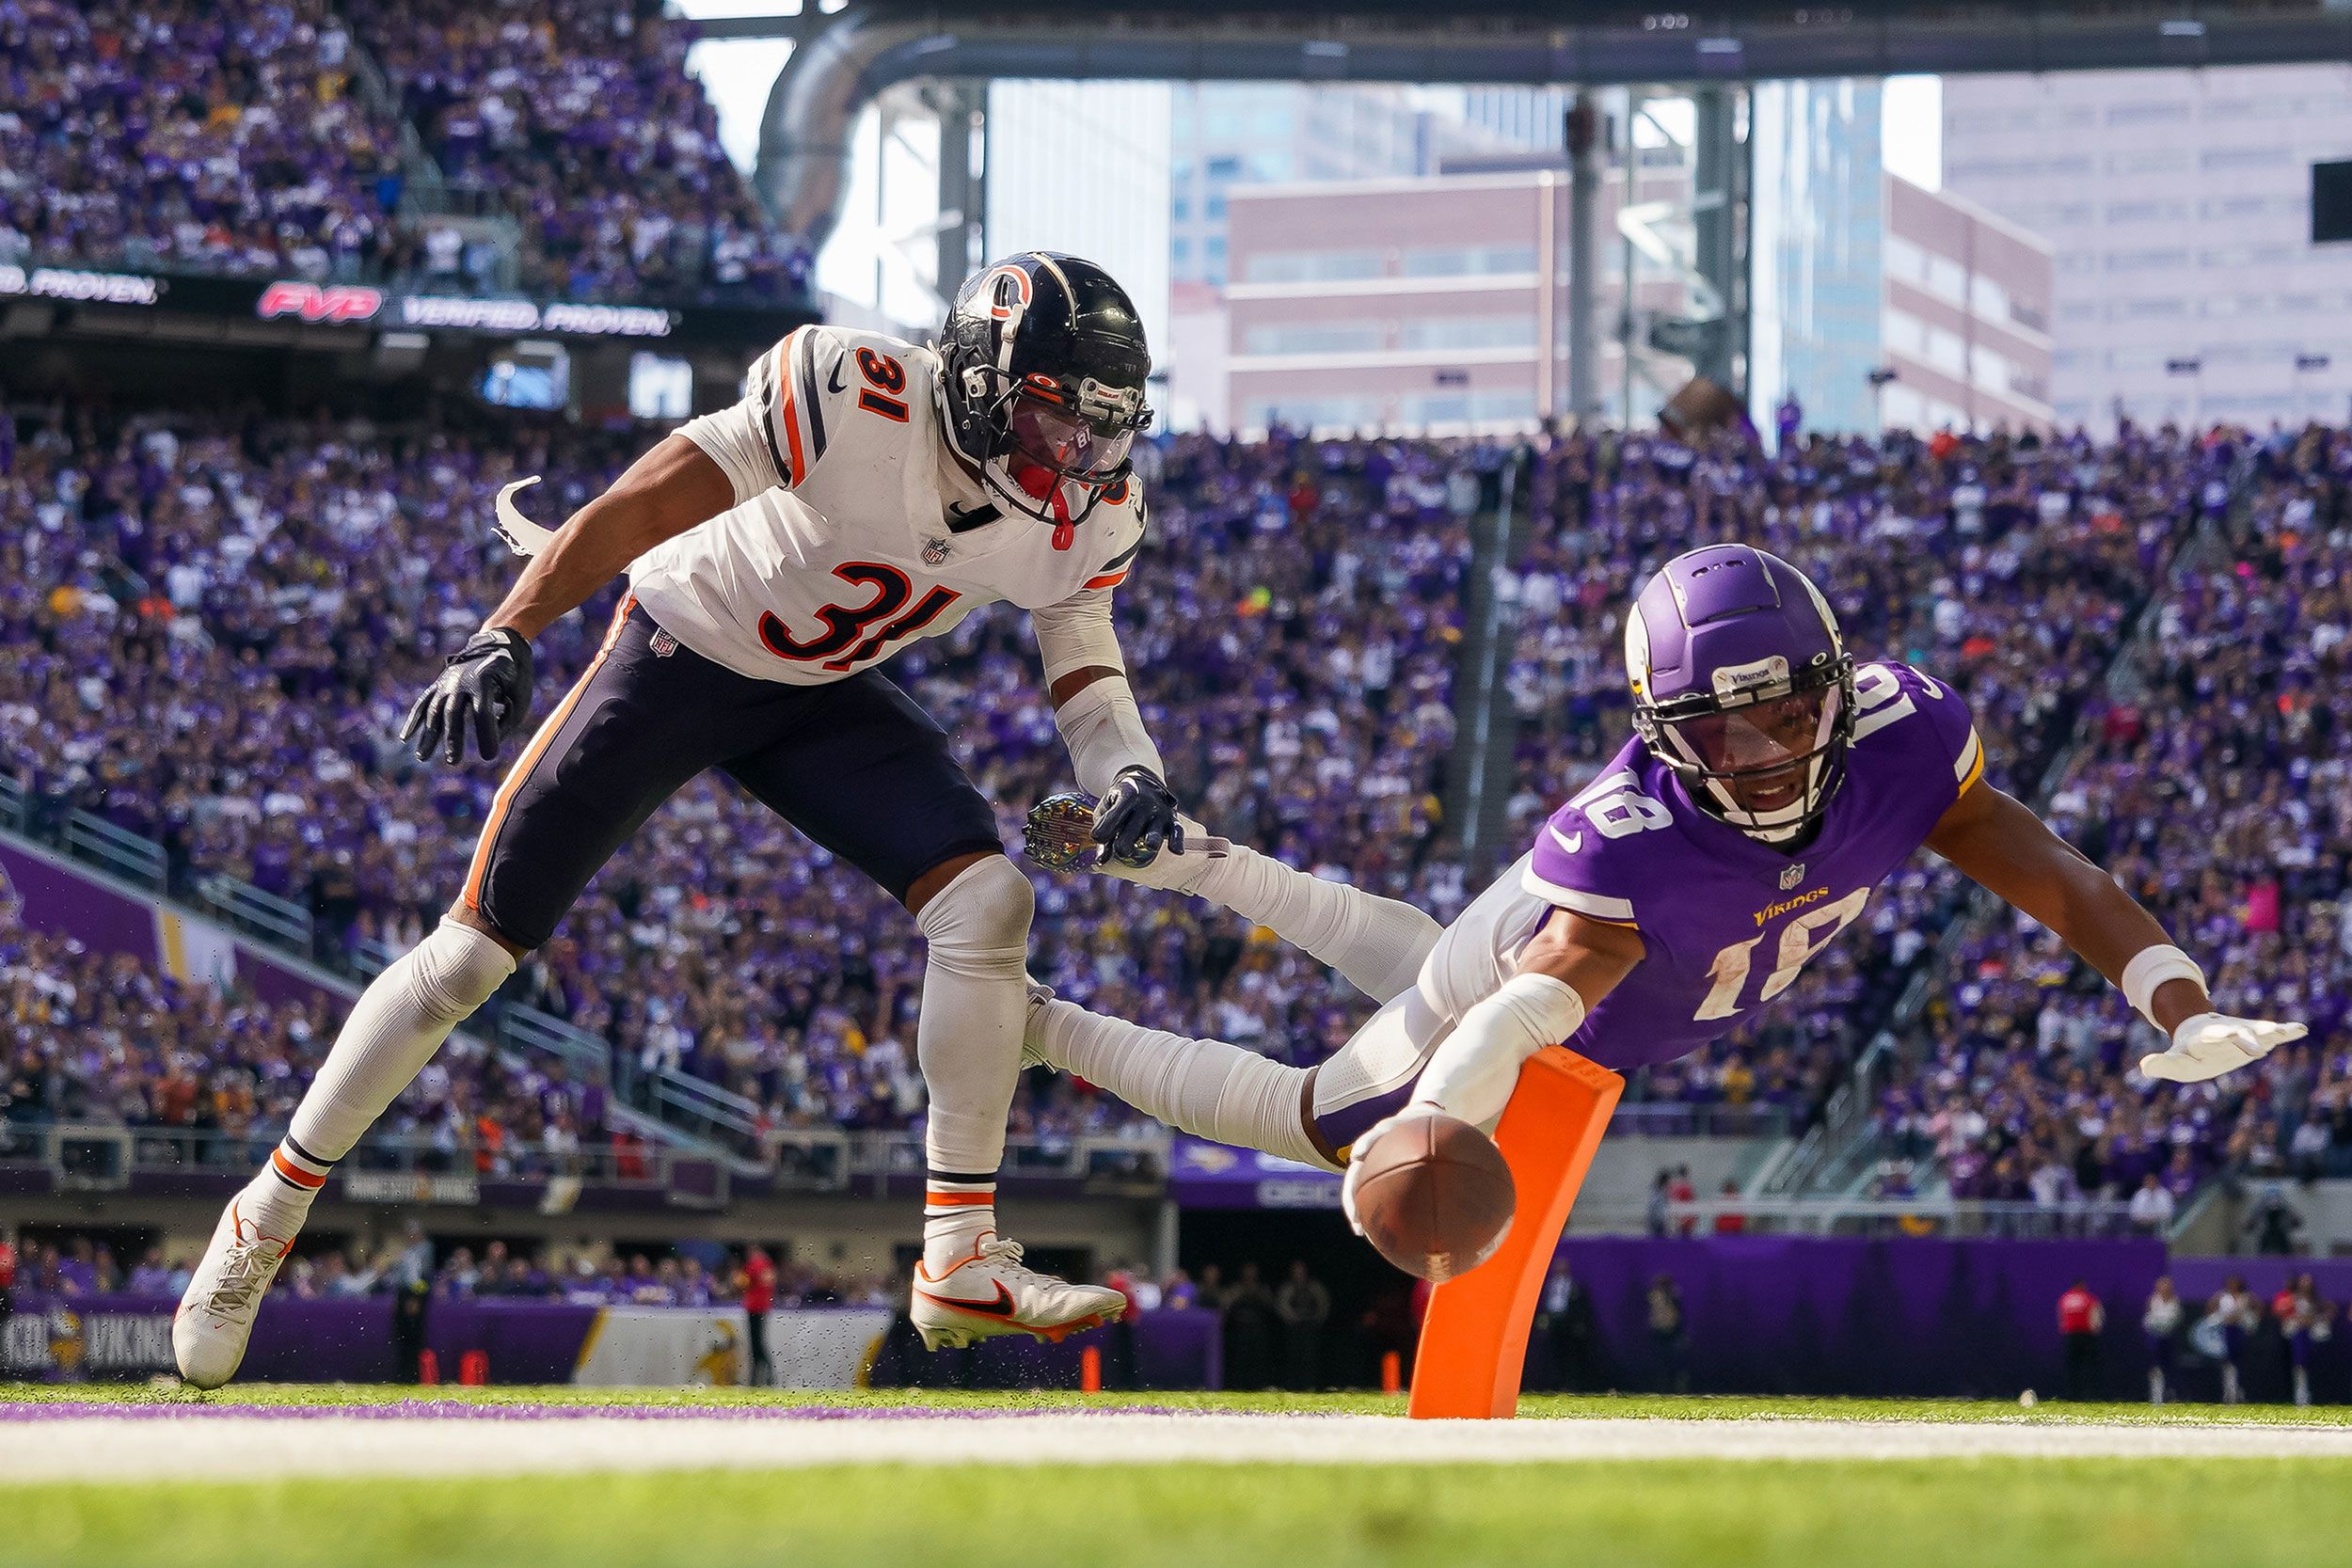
(1474, 1072)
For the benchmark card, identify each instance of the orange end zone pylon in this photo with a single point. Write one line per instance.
(1474, 1341)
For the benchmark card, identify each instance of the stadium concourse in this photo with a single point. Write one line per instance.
(217, 622)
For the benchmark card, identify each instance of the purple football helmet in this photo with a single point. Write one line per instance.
(1743, 685)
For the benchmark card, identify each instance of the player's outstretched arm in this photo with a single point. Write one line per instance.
(1564, 970)
(1095, 710)
(485, 689)
(1998, 843)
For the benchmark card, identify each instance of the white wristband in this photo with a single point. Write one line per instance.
(1103, 730)
(1474, 1072)
(2150, 968)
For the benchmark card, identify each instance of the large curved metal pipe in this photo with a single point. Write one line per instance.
(812, 110)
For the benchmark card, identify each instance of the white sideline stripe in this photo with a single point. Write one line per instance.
(237, 1448)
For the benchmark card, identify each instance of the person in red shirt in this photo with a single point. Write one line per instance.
(759, 1298)
(2081, 1319)
(1682, 1190)
(1730, 1222)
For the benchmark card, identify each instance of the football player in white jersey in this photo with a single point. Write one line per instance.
(865, 493)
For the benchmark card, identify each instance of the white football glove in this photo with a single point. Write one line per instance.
(1356, 1158)
(2210, 1044)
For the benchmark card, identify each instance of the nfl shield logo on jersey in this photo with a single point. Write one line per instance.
(934, 551)
(663, 644)
(1791, 877)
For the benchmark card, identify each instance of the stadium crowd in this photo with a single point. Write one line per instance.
(2215, 779)
(208, 1074)
(238, 137)
(234, 615)
(580, 115)
(179, 136)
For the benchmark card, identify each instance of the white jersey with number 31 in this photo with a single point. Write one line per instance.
(843, 545)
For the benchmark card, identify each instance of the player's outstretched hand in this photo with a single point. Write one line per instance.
(1059, 836)
(484, 688)
(2210, 1044)
(1362, 1145)
(1136, 815)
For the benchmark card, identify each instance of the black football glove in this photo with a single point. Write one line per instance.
(485, 687)
(1136, 815)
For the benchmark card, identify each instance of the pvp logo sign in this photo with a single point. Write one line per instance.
(338, 302)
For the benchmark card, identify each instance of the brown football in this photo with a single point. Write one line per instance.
(1435, 1196)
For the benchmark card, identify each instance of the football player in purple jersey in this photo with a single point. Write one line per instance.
(1772, 784)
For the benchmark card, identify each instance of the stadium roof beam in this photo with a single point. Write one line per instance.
(871, 45)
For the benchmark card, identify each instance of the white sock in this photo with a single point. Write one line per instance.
(1377, 943)
(394, 1028)
(967, 1041)
(1207, 1087)
(957, 1217)
(279, 1200)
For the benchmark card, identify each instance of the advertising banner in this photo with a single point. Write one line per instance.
(819, 1347)
(50, 893)
(303, 302)
(665, 1347)
(1205, 1175)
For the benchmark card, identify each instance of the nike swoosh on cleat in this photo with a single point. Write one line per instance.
(1000, 1308)
(1573, 843)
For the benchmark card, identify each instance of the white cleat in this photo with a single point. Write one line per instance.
(224, 1296)
(991, 1293)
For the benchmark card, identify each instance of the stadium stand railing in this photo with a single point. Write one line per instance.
(1487, 726)
(247, 908)
(103, 1157)
(1823, 1214)
(130, 856)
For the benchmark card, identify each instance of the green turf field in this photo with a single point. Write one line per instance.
(2032, 1513)
(1537, 1407)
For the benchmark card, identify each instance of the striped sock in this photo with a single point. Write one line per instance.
(958, 1211)
(281, 1196)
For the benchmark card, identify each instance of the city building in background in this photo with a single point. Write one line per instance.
(1878, 302)
(1436, 303)
(1083, 167)
(1816, 255)
(1225, 135)
(1964, 316)
(2177, 205)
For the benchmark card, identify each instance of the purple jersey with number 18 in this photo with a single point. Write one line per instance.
(1726, 921)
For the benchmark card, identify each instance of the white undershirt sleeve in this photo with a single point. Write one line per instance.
(1076, 634)
(1103, 730)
